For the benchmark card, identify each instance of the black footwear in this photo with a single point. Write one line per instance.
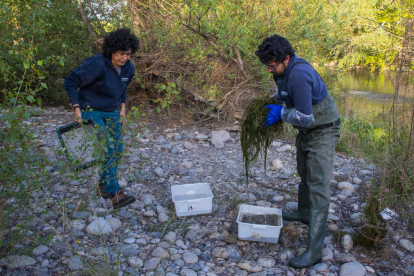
(316, 235)
(101, 192)
(120, 200)
(302, 214)
(296, 216)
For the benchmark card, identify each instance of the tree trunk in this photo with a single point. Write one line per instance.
(136, 20)
(86, 21)
(96, 18)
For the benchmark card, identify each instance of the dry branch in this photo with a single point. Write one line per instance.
(86, 21)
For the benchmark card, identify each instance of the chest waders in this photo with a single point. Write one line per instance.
(315, 157)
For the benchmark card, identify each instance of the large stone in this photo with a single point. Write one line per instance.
(286, 254)
(233, 251)
(160, 253)
(353, 268)
(190, 258)
(357, 218)
(345, 258)
(321, 267)
(163, 217)
(180, 170)
(170, 237)
(266, 262)
(195, 234)
(123, 183)
(151, 264)
(291, 207)
(60, 247)
(347, 242)
(40, 250)
(189, 146)
(220, 252)
(15, 261)
(201, 137)
(175, 150)
(187, 165)
(250, 266)
(218, 138)
(75, 263)
(114, 223)
(285, 148)
(159, 172)
(406, 244)
(99, 226)
(346, 185)
(135, 262)
(78, 225)
(277, 164)
(327, 254)
(364, 173)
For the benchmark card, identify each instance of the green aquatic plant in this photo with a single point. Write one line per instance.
(255, 136)
(373, 227)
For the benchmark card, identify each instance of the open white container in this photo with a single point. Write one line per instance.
(259, 232)
(192, 199)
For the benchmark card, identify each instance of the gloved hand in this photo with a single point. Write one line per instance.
(274, 114)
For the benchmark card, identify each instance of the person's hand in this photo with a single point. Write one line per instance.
(78, 115)
(274, 114)
(122, 113)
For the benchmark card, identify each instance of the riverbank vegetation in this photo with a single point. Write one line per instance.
(198, 57)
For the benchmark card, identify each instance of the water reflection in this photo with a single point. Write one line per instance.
(367, 94)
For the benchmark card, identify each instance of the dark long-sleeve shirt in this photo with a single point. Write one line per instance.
(96, 84)
(300, 87)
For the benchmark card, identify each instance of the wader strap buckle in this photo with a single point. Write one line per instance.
(336, 123)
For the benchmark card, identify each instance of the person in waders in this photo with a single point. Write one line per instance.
(97, 90)
(310, 109)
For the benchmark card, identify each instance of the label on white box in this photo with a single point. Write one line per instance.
(258, 236)
(191, 207)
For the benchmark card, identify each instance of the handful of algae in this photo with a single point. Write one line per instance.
(255, 136)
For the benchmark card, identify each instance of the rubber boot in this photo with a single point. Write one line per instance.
(316, 235)
(302, 214)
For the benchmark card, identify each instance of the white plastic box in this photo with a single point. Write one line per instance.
(258, 232)
(192, 199)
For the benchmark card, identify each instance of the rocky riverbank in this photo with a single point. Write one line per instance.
(147, 238)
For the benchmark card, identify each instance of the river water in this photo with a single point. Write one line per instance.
(364, 93)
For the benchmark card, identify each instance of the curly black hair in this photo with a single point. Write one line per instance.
(119, 40)
(275, 48)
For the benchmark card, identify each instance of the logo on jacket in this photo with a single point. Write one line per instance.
(284, 94)
(125, 79)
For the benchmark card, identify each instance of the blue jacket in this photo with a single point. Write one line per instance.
(100, 85)
(300, 87)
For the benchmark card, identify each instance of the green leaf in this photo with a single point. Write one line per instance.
(31, 98)
(158, 109)
(26, 65)
(40, 62)
(27, 115)
(6, 9)
(43, 85)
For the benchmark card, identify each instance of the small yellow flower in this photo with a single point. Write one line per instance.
(78, 242)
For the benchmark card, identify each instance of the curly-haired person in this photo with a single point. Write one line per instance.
(97, 90)
(310, 109)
